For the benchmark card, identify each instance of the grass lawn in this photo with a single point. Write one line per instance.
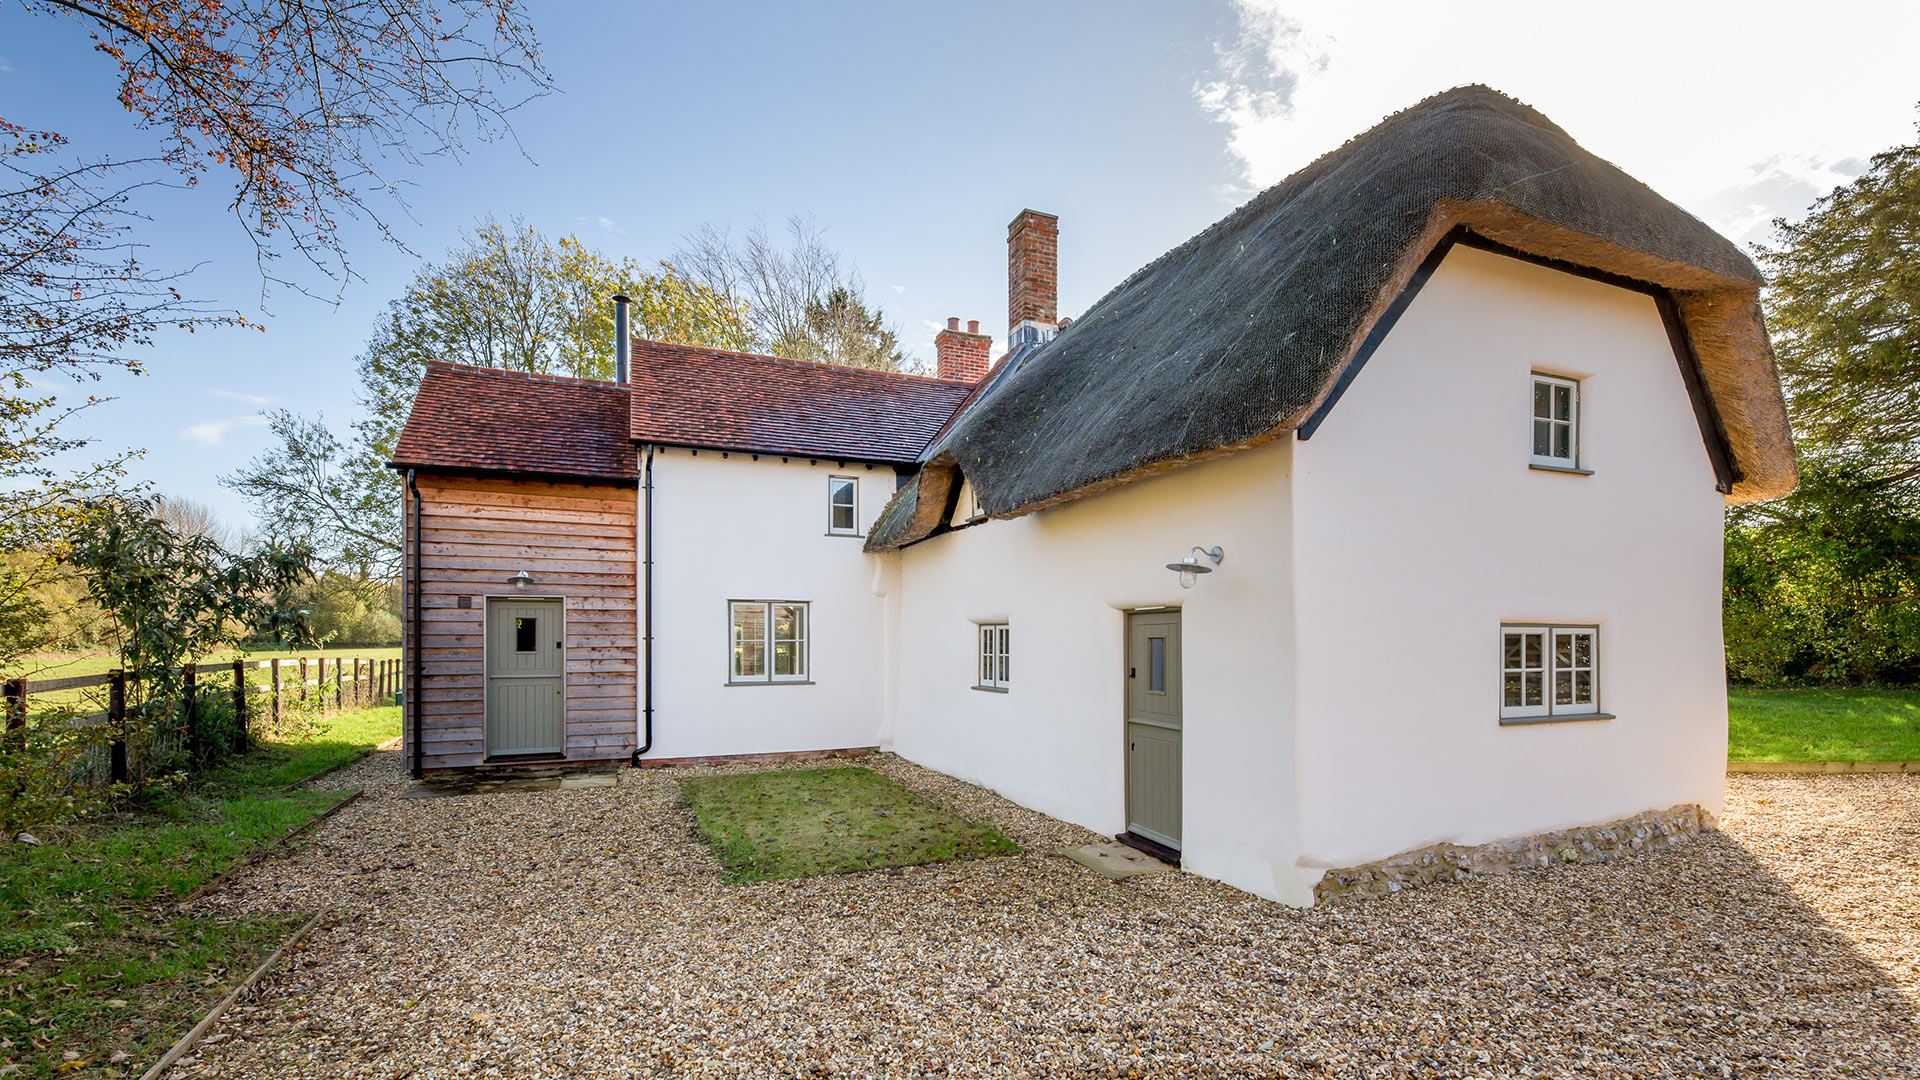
(93, 959)
(1823, 725)
(801, 823)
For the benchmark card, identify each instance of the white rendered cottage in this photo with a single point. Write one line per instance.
(1441, 427)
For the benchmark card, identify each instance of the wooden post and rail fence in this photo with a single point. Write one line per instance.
(260, 692)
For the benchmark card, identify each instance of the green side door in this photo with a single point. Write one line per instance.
(1153, 726)
(526, 686)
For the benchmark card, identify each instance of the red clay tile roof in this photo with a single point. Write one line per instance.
(685, 396)
(471, 419)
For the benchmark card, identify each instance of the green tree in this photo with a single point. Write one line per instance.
(507, 297)
(1824, 584)
(1843, 301)
(170, 596)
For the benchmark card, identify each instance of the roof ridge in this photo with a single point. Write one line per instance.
(738, 354)
(530, 376)
(1256, 201)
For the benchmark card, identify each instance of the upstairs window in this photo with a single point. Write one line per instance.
(1556, 422)
(769, 641)
(1549, 671)
(843, 505)
(994, 673)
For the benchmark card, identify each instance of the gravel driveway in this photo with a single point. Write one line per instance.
(584, 933)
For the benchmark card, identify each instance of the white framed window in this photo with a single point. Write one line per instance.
(1549, 671)
(994, 657)
(974, 513)
(1556, 422)
(843, 505)
(768, 641)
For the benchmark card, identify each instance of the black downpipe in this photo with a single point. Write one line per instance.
(646, 602)
(419, 661)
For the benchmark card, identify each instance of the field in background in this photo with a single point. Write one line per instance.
(1823, 725)
(65, 665)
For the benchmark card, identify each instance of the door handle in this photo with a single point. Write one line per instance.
(1129, 673)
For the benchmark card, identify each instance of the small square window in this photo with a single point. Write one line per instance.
(843, 505)
(1549, 671)
(769, 641)
(526, 631)
(995, 657)
(1556, 422)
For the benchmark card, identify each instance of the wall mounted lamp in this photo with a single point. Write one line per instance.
(1191, 566)
(520, 580)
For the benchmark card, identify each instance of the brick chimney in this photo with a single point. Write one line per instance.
(962, 355)
(1033, 278)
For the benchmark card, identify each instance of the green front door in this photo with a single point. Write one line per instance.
(1153, 726)
(526, 691)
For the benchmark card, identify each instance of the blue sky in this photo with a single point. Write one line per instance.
(914, 132)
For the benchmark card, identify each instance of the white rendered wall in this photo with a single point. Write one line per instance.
(732, 528)
(1063, 579)
(1420, 529)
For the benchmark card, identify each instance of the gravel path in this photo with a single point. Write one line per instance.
(584, 933)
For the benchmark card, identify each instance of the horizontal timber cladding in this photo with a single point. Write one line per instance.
(578, 542)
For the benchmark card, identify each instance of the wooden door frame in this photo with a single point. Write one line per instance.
(1126, 835)
(487, 755)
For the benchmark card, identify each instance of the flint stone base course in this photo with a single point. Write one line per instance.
(1451, 862)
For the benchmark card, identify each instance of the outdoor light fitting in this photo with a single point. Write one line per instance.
(520, 580)
(1191, 566)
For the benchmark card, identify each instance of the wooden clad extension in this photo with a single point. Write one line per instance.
(579, 543)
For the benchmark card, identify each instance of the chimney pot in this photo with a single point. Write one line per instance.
(953, 322)
(962, 355)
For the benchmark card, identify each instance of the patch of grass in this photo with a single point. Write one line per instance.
(801, 823)
(346, 737)
(1823, 725)
(93, 958)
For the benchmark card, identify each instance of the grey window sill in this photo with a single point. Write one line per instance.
(1571, 469)
(765, 682)
(1524, 721)
(849, 535)
(991, 689)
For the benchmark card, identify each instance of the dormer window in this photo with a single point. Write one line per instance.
(843, 505)
(1556, 422)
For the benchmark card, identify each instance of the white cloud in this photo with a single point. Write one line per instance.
(254, 400)
(214, 432)
(1257, 77)
(1781, 186)
(1700, 111)
(611, 225)
(898, 288)
(4, 66)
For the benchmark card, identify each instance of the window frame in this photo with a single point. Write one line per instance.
(1570, 463)
(1550, 710)
(833, 483)
(767, 677)
(993, 657)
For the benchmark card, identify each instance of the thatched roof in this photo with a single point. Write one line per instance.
(1240, 334)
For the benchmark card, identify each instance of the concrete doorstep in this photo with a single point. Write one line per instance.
(1116, 861)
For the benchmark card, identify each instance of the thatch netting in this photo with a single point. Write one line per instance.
(1236, 336)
